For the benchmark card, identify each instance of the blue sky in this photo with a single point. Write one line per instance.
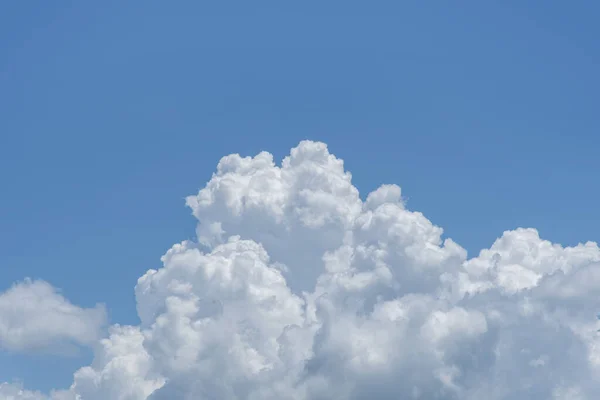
(112, 112)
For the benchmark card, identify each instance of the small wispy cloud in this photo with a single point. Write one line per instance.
(34, 316)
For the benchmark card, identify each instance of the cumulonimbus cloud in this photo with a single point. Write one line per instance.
(298, 289)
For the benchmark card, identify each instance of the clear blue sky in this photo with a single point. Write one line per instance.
(486, 113)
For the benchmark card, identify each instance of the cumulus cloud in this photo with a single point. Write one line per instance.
(35, 316)
(298, 289)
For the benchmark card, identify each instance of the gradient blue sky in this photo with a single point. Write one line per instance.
(486, 113)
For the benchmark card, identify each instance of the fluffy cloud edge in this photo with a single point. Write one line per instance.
(35, 316)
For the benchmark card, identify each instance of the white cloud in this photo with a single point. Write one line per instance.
(122, 369)
(15, 391)
(35, 316)
(297, 289)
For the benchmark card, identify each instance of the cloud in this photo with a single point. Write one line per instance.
(35, 316)
(297, 289)
(122, 369)
(15, 391)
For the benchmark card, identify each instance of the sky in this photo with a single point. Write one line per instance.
(112, 114)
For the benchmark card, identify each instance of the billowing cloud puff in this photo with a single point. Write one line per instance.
(35, 316)
(298, 289)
